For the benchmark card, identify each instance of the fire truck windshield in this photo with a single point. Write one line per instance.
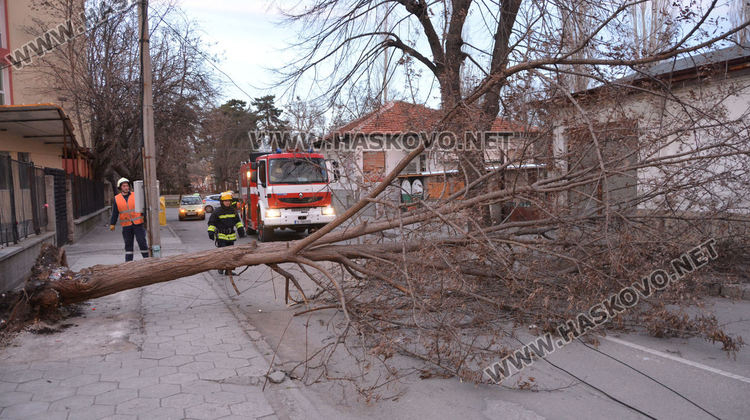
(297, 171)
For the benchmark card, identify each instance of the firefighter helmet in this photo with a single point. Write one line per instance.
(122, 181)
(226, 195)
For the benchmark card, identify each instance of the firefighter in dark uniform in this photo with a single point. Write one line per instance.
(223, 222)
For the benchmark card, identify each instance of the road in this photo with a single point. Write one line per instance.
(701, 376)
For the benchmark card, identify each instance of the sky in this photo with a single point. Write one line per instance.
(249, 40)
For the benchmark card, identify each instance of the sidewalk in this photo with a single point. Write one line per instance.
(168, 351)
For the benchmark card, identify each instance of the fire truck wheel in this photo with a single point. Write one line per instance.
(264, 234)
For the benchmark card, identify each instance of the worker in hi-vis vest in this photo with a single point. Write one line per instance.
(130, 220)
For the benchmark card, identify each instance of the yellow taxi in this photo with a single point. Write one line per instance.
(191, 206)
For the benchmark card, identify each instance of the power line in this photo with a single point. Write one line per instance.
(649, 377)
(202, 54)
(207, 57)
(603, 392)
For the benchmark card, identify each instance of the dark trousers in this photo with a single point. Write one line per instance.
(139, 233)
(220, 243)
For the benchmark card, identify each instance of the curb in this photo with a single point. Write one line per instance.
(289, 396)
(734, 291)
(171, 230)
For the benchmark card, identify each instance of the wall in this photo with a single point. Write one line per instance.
(87, 223)
(667, 127)
(16, 261)
(43, 155)
(30, 85)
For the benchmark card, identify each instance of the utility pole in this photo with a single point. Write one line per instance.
(149, 144)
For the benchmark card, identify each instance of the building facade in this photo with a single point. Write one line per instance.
(667, 137)
(46, 191)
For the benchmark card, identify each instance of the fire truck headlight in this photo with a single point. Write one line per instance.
(328, 211)
(272, 213)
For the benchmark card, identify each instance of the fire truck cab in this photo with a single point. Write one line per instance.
(285, 190)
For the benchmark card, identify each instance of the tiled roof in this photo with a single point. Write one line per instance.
(684, 67)
(403, 117)
(694, 62)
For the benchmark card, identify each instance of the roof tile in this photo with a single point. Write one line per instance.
(403, 117)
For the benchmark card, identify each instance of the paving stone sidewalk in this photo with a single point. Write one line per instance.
(168, 351)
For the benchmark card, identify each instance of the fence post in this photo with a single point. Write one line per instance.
(69, 206)
(49, 189)
(34, 199)
(13, 223)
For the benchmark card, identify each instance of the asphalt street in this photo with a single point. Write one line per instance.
(701, 376)
(193, 348)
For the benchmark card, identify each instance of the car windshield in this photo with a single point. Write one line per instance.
(191, 200)
(297, 171)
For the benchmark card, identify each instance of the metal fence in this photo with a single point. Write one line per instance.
(23, 209)
(59, 192)
(88, 195)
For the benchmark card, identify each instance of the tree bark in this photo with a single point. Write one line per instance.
(54, 284)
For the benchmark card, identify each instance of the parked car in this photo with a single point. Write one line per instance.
(210, 202)
(191, 206)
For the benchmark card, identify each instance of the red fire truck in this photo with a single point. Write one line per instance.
(285, 190)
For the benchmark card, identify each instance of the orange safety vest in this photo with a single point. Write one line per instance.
(126, 210)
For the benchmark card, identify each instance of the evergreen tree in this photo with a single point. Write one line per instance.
(270, 124)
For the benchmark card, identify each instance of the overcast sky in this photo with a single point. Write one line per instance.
(250, 39)
(246, 36)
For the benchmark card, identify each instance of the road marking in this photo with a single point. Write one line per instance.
(678, 359)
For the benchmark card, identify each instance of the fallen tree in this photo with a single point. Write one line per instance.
(439, 276)
(628, 176)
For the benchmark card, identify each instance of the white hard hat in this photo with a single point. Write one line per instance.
(121, 181)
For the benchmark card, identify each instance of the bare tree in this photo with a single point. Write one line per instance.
(602, 187)
(653, 26)
(306, 117)
(576, 23)
(739, 14)
(98, 73)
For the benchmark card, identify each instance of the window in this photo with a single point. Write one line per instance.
(192, 200)
(297, 171)
(373, 165)
(262, 173)
(617, 140)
